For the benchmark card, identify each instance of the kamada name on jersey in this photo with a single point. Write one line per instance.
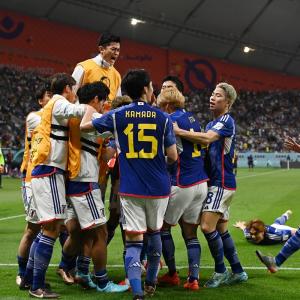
(140, 114)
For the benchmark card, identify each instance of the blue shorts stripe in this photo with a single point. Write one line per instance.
(91, 207)
(216, 199)
(94, 205)
(53, 194)
(220, 197)
(57, 194)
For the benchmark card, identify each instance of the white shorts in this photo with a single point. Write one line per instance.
(186, 203)
(218, 200)
(30, 209)
(49, 197)
(88, 209)
(138, 214)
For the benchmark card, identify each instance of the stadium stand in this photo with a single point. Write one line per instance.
(270, 113)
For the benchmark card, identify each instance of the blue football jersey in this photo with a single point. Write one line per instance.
(189, 169)
(142, 133)
(221, 152)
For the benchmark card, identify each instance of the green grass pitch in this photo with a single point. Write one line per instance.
(263, 193)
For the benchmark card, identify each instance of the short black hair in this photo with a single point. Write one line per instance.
(90, 90)
(40, 93)
(133, 83)
(59, 81)
(177, 82)
(42, 89)
(106, 38)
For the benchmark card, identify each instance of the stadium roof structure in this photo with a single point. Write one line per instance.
(215, 28)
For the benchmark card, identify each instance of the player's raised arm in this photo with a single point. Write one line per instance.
(291, 144)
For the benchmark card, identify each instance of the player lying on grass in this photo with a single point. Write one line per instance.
(293, 244)
(256, 231)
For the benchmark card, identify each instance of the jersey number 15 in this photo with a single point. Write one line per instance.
(141, 138)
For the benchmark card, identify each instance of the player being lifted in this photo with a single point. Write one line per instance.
(143, 134)
(220, 136)
(189, 190)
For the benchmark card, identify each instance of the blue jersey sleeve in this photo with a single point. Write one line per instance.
(169, 134)
(104, 123)
(224, 127)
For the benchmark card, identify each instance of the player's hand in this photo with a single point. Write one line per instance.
(291, 144)
(1, 169)
(240, 225)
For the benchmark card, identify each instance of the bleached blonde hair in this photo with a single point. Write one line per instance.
(230, 92)
(171, 96)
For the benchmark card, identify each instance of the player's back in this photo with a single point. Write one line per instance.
(189, 169)
(142, 133)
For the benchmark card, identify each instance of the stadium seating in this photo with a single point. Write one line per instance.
(263, 118)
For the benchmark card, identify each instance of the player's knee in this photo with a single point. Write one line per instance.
(102, 230)
(73, 227)
(206, 227)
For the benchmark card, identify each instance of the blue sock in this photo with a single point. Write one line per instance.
(63, 237)
(168, 250)
(144, 249)
(231, 253)
(83, 264)
(133, 266)
(102, 278)
(22, 262)
(215, 245)
(153, 254)
(28, 276)
(281, 220)
(193, 252)
(289, 248)
(42, 256)
(67, 262)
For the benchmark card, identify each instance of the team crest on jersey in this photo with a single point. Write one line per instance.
(192, 119)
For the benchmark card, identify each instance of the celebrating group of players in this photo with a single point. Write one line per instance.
(167, 171)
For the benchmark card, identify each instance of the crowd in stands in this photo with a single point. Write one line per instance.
(262, 118)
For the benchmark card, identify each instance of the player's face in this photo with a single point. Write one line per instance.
(167, 85)
(71, 93)
(218, 103)
(45, 99)
(110, 53)
(257, 237)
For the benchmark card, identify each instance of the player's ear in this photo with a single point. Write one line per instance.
(101, 49)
